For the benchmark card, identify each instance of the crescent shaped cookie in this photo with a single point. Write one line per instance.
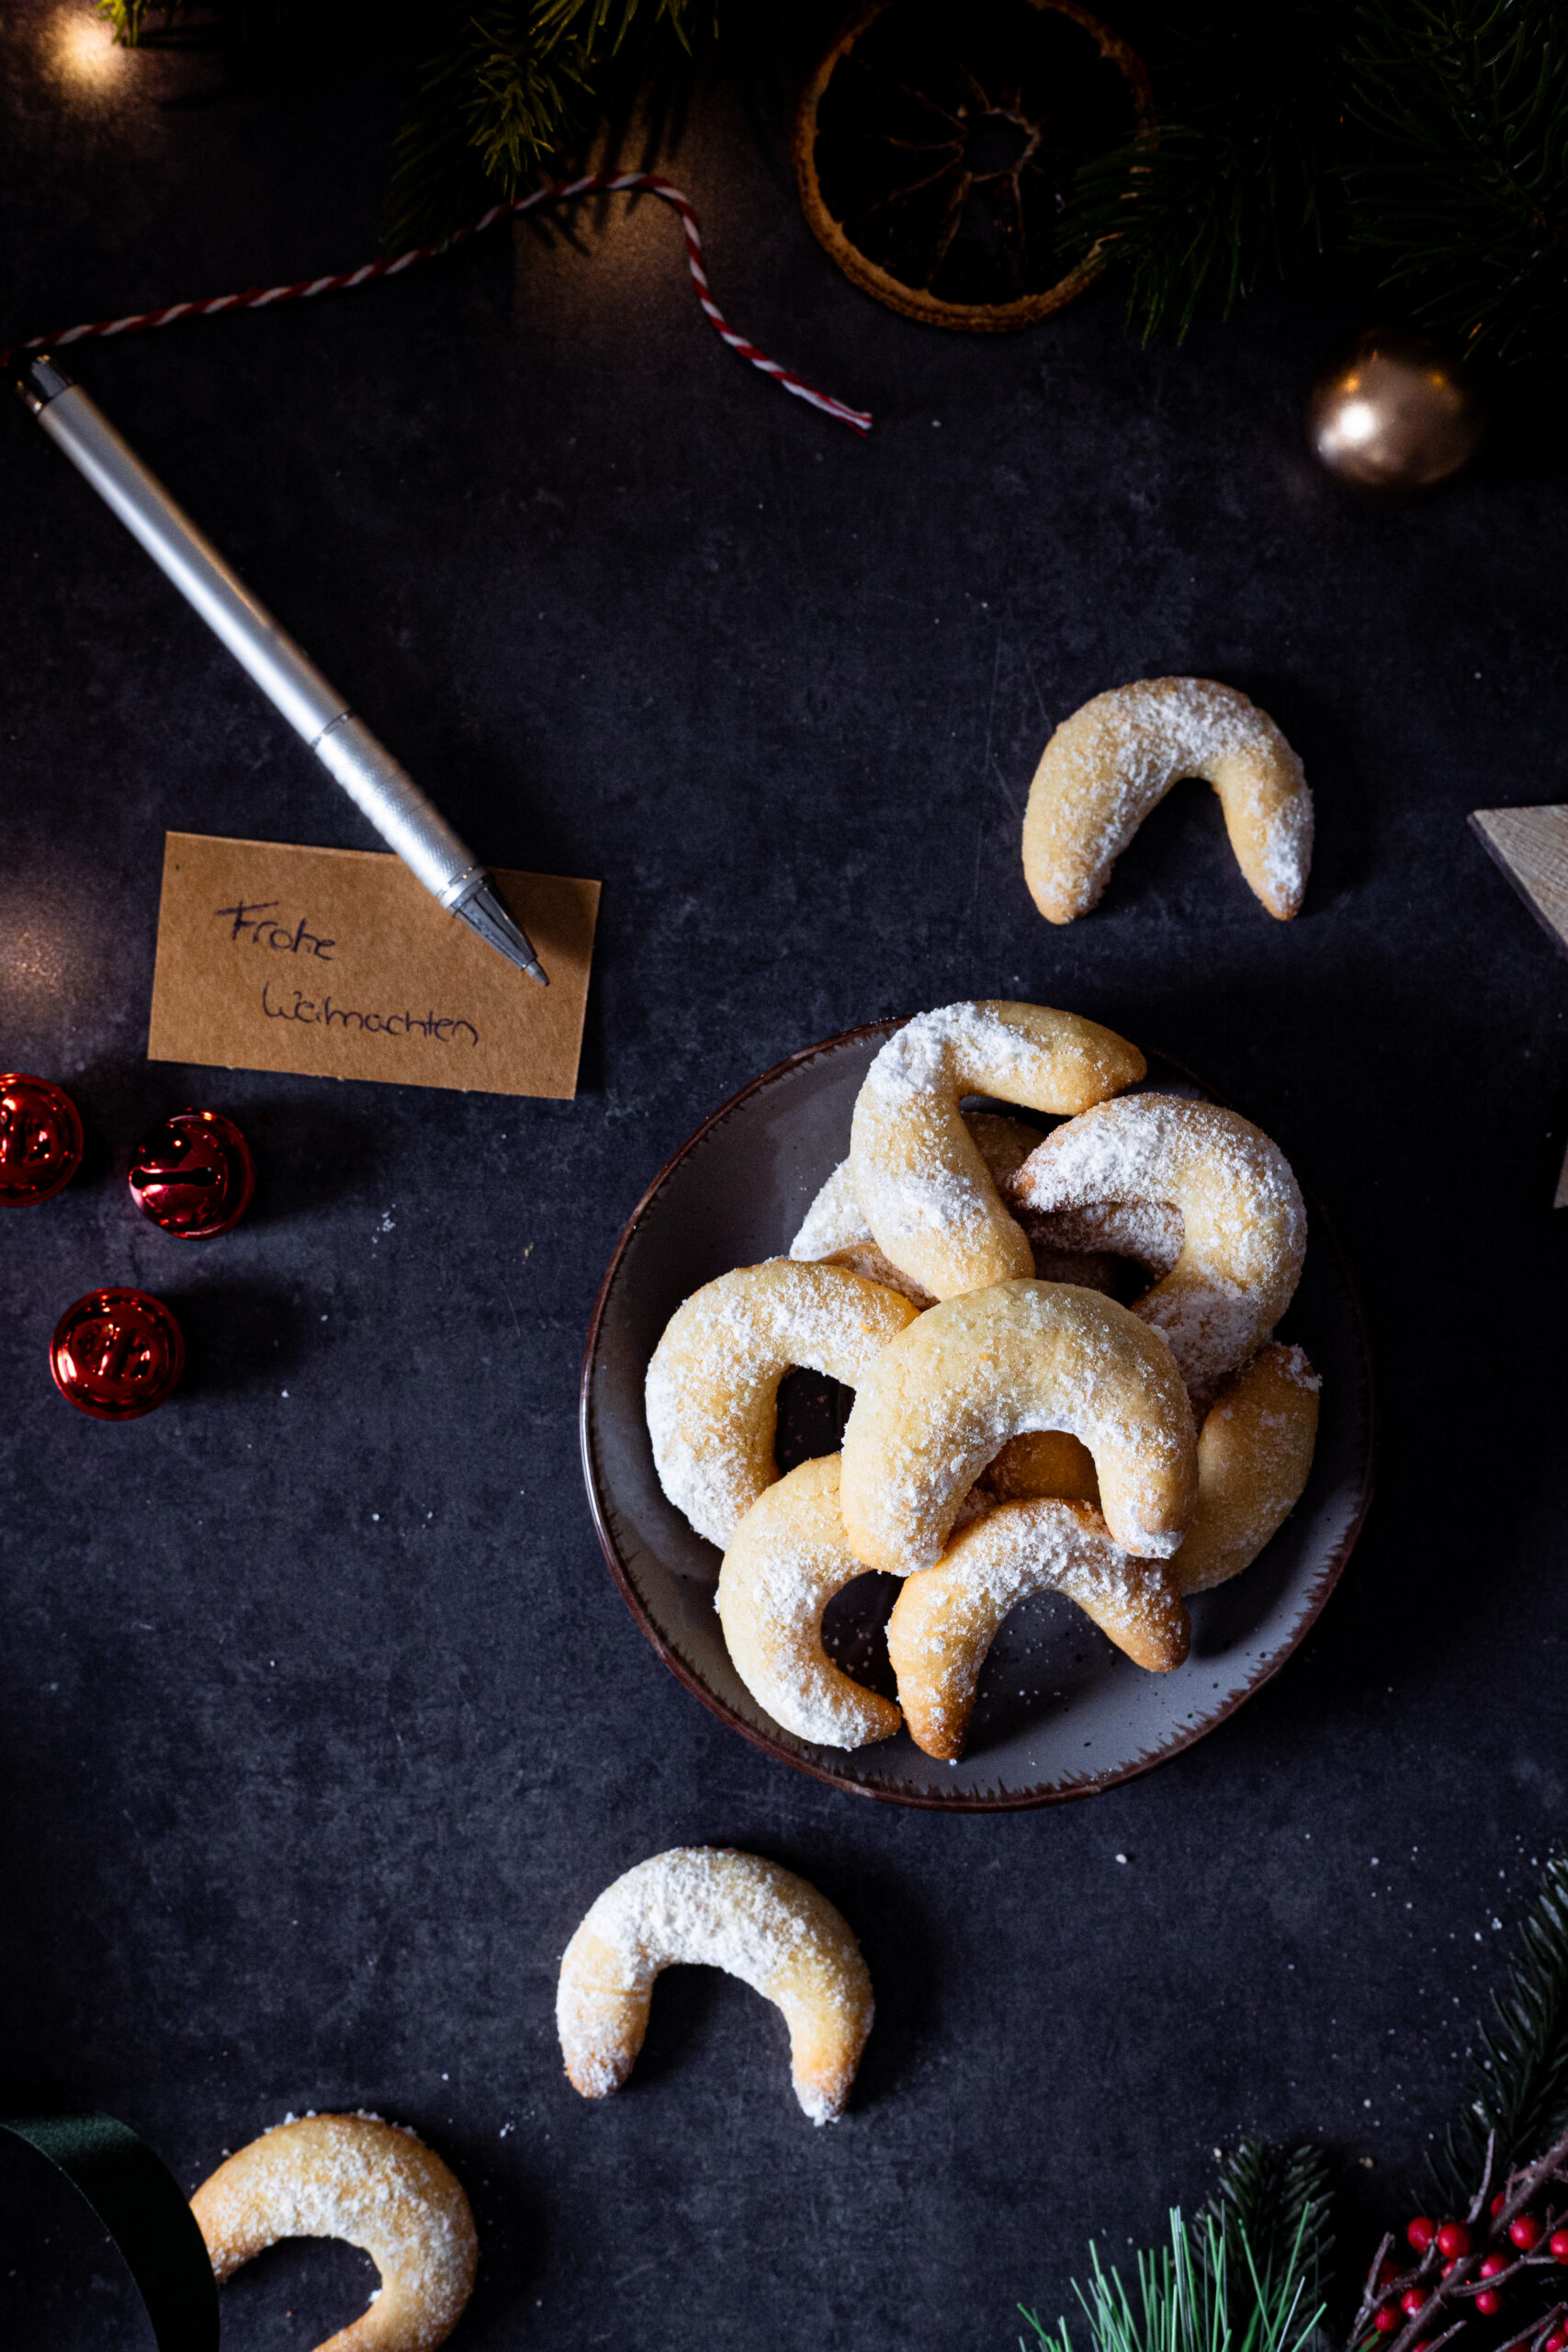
(787, 1559)
(1111, 762)
(716, 1909)
(945, 1617)
(1255, 1451)
(712, 1385)
(948, 1393)
(922, 1183)
(834, 1231)
(369, 2183)
(1244, 1225)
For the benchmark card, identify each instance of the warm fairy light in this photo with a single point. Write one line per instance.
(84, 51)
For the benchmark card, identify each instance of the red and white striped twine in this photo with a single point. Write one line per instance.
(261, 298)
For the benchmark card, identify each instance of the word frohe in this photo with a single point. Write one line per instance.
(256, 925)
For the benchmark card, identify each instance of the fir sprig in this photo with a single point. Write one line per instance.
(511, 90)
(1214, 2288)
(1231, 188)
(1282, 2206)
(490, 108)
(1517, 2104)
(1461, 187)
(522, 82)
(1429, 135)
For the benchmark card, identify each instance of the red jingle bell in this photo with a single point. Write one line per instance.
(41, 1139)
(194, 1175)
(116, 1354)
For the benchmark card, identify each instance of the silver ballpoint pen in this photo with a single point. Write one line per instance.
(344, 745)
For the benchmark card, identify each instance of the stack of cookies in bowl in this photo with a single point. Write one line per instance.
(1061, 1351)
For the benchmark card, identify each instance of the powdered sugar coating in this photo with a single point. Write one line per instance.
(1255, 1452)
(787, 1559)
(369, 2183)
(711, 1907)
(928, 1197)
(1244, 1224)
(1149, 1231)
(712, 1388)
(953, 1389)
(946, 1616)
(835, 1220)
(834, 1228)
(1109, 764)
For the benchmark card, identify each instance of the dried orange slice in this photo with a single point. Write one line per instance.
(935, 144)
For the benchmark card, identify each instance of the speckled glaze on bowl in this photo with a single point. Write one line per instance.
(1061, 1714)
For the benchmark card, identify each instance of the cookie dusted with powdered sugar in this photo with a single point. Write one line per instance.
(713, 1386)
(945, 1617)
(787, 1559)
(1109, 764)
(834, 1229)
(371, 2184)
(949, 1393)
(1255, 1452)
(1242, 1221)
(710, 1906)
(926, 1192)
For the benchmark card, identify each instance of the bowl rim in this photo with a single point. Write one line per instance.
(933, 1800)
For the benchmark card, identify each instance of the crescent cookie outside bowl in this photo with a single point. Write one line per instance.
(371, 2184)
(947, 1394)
(713, 1907)
(945, 1617)
(921, 1179)
(1244, 1222)
(712, 1384)
(786, 1559)
(1111, 762)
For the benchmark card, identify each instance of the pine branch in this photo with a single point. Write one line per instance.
(1519, 2092)
(1282, 2207)
(1231, 187)
(1214, 2288)
(518, 86)
(491, 109)
(602, 26)
(1462, 191)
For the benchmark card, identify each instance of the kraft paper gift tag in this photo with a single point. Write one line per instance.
(335, 963)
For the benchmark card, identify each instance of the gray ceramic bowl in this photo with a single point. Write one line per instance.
(1061, 1714)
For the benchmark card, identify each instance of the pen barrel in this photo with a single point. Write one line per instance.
(284, 673)
(397, 809)
(386, 794)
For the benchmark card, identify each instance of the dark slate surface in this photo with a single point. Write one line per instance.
(323, 1721)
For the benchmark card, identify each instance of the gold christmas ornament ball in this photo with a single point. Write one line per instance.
(1394, 416)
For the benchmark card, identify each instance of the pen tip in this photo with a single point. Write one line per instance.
(483, 912)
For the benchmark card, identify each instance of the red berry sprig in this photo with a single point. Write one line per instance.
(1466, 2262)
